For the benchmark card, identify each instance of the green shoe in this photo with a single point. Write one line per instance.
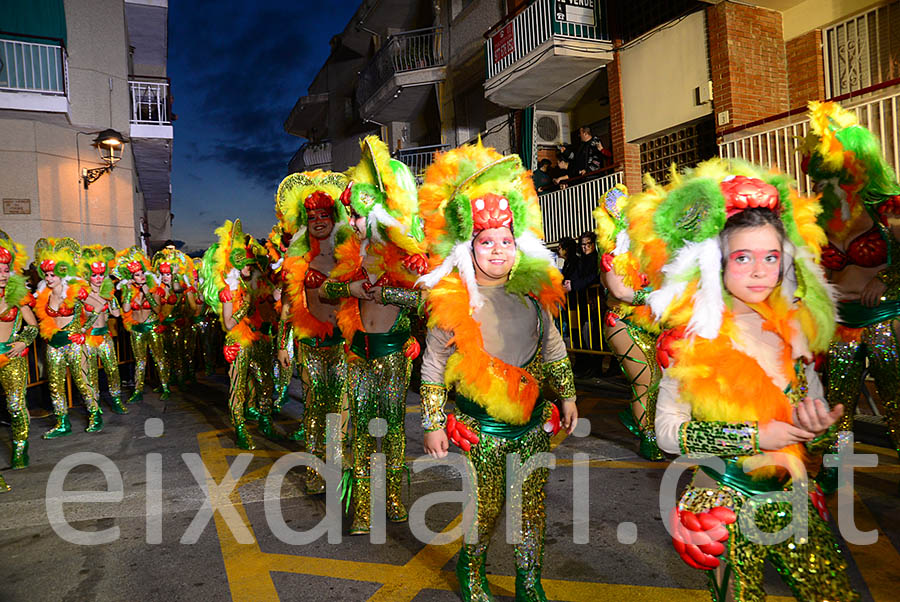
(20, 455)
(136, 397)
(828, 479)
(299, 435)
(267, 430)
(649, 449)
(95, 421)
(528, 587)
(166, 393)
(627, 418)
(243, 439)
(474, 588)
(117, 406)
(63, 427)
(251, 413)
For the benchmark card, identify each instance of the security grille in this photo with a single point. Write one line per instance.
(684, 146)
(863, 51)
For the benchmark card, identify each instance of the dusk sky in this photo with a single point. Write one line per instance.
(237, 68)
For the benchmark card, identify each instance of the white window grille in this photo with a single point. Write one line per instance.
(863, 50)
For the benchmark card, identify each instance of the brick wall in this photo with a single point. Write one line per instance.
(747, 61)
(626, 157)
(805, 68)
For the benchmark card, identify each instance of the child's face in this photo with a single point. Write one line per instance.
(494, 251)
(753, 263)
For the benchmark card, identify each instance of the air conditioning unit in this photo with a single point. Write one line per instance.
(551, 128)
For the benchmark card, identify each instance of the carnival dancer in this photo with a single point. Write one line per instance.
(176, 306)
(202, 342)
(140, 317)
(491, 337)
(226, 273)
(18, 329)
(308, 210)
(628, 326)
(276, 247)
(96, 266)
(747, 306)
(262, 355)
(861, 217)
(378, 258)
(62, 322)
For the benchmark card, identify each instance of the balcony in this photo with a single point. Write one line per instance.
(570, 211)
(33, 76)
(397, 82)
(150, 109)
(544, 53)
(418, 158)
(310, 156)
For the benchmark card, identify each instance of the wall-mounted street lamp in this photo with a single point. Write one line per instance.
(109, 144)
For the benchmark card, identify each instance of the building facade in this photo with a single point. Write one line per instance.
(71, 69)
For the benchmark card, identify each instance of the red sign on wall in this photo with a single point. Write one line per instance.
(503, 42)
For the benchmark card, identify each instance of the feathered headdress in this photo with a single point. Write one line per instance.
(847, 161)
(59, 256)
(130, 261)
(172, 261)
(13, 254)
(471, 188)
(682, 251)
(224, 260)
(97, 260)
(308, 190)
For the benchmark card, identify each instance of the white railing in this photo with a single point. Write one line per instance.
(861, 51)
(570, 212)
(149, 103)
(317, 155)
(418, 158)
(32, 67)
(776, 145)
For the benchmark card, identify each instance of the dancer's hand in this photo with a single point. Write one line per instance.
(813, 415)
(569, 416)
(436, 443)
(775, 435)
(872, 292)
(359, 290)
(18, 349)
(284, 358)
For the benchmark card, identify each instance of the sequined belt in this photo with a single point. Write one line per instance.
(498, 428)
(99, 332)
(736, 478)
(143, 327)
(854, 314)
(336, 338)
(371, 345)
(59, 339)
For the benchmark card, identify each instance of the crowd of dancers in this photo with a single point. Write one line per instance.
(720, 307)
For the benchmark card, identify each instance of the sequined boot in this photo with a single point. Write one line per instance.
(528, 586)
(19, 455)
(242, 437)
(251, 414)
(362, 506)
(136, 396)
(63, 427)
(315, 484)
(299, 435)
(3, 486)
(396, 511)
(117, 406)
(648, 448)
(166, 392)
(473, 583)
(95, 421)
(265, 427)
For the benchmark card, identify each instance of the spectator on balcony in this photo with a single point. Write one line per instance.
(564, 168)
(591, 155)
(542, 180)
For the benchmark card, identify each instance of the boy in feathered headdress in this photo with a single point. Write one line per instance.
(747, 305)
(308, 209)
(63, 323)
(379, 256)
(491, 294)
(140, 315)
(861, 216)
(628, 326)
(96, 267)
(18, 330)
(226, 272)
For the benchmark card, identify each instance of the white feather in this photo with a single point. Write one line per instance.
(461, 259)
(233, 279)
(788, 272)
(675, 275)
(41, 286)
(533, 246)
(277, 264)
(623, 242)
(706, 319)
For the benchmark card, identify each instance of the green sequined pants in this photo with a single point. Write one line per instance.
(377, 389)
(846, 363)
(13, 379)
(283, 375)
(238, 393)
(141, 342)
(488, 459)
(176, 349)
(323, 371)
(260, 375)
(77, 359)
(106, 353)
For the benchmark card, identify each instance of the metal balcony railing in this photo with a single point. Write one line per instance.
(317, 155)
(776, 145)
(515, 38)
(570, 211)
(150, 103)
(408, 51)
(32, 67)
(418, 158)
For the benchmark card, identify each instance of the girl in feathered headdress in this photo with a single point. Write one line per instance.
(63, 322)
(96, 267)
(747, 305)
(140, 315)
(175, 294)
(628, 325)
(308, 207)
(18, 330)
(491, 293)
(226, 273)
(861, 201)
(379, 255)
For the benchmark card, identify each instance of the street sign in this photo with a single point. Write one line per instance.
(503, 42)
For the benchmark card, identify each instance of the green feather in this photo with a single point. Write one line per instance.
(519, 210)
(106, 288)
(16, 289)
(693, 212)
(528, 276)
(211, 286)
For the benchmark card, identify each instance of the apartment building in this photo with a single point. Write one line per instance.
(75, 75)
